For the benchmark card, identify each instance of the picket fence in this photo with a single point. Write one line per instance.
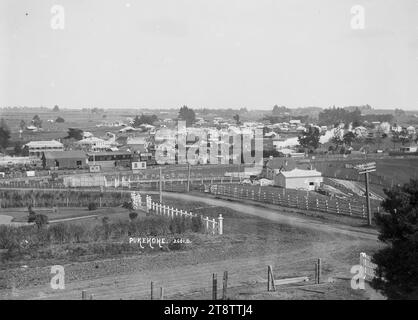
(213, 226)
(290, 198)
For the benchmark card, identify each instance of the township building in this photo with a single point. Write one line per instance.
(64, 160)
(299, 179)
(37, 148)
(108, 160)
(276, 165)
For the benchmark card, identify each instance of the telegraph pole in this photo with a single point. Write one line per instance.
(188, 177)
(366, 169)
(369, 216)
(161, 185)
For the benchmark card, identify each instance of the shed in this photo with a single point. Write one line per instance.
(299, 179)
(64, 159)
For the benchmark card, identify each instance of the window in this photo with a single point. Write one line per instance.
(311, 183)
(78, 163)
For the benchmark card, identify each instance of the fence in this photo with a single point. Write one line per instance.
(368, 267)
(60, 198)
(290, 198)
(213, 226)
(126, 181)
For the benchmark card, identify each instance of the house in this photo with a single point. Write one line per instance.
(408, 149)
(137, 144)
(275, 165)
(299, 179)
(96, 144)
(37, 148)
(410, 130)
(64, 159)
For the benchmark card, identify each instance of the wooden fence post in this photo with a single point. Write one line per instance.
(270, 279)
(318, 278)
(83, 295)
(214, 287)
(162, 293)
(225, 285)
(152, 290)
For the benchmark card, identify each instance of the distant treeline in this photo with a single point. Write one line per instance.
(341, 115)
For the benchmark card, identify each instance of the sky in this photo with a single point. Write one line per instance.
(209, 53)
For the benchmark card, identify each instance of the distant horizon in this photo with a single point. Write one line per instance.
(267, 109)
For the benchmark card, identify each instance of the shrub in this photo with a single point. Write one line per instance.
(41, 220)
(92, 206)
(32, 214)
(59, 232)
(128, 205)
(133, 215)
(76, 232)
(175, 245)
(197, 224)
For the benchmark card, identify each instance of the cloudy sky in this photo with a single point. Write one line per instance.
(209, 53)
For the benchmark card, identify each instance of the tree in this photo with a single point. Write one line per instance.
(56, 108)
(339, 115)
(4, 134)
(397, 263)
(74, 133)
(399, 112)
(348, 138)
(337, 138)
(310, 138)
(236, 118)
(36, 121)
(188, 115)
(279, 110)
(60, 120)
(144, 119)
(22, 125)
(395, 138)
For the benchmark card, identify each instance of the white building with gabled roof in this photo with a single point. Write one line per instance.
(299, 179)
(37, 148)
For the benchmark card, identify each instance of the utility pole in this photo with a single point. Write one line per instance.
(188, 177)
(161, 185)
(369, 216)
(366, 169)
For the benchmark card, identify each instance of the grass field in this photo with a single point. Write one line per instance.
(390, 171)
(86, 121)
(21, 214)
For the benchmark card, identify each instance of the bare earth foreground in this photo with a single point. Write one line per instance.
(255, 236)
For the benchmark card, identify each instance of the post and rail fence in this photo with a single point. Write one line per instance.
(290, 198)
